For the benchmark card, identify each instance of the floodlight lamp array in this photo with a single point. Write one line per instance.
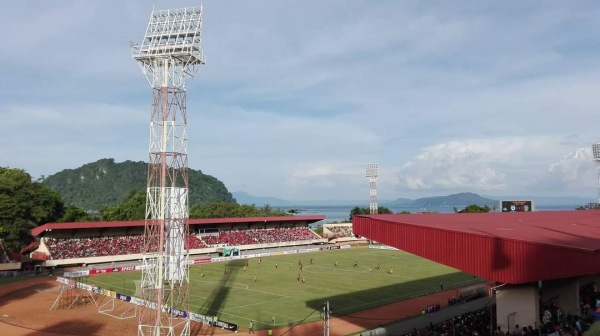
(171, 49)
(172, 33)
(372, 170)
(596, 152)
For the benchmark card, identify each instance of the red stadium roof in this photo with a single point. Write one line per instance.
(514, 247)
(201, 221)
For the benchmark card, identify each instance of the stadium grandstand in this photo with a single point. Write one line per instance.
(339, 232)
(537, 261)
(62, 244)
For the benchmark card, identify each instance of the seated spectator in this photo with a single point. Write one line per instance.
(67, 248)
(259, 236)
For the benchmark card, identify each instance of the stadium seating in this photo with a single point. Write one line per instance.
(263, 236)
(341, 231)
(478, 323)
(474, 323)
(66, 248)
(61, 248)
(193, 242)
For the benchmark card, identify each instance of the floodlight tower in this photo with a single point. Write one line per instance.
(372, 175)
(169, 54)
(596, 154)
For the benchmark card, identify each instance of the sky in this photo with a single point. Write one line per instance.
(296, 97)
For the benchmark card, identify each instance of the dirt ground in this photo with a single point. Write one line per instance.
(25, 311)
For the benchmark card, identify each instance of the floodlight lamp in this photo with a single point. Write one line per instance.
(372, 170)
(596, 151)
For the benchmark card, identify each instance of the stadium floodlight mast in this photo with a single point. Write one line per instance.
(169, 55)
(372, 174)
(596, 154)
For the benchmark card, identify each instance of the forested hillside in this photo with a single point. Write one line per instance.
(105, 182)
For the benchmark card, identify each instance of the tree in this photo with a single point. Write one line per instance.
(233, 210)
(473, 208)
(75, 214)
(367, 211)
(589, 206)
(23, 206)
(133, 208)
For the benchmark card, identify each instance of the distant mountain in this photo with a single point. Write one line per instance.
(398, 202)
(243, 197)
(455, 200)
(104, 182)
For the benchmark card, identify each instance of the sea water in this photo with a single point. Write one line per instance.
(340, 213)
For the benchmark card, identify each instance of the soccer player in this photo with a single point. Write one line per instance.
(255, 278)
(336, 263)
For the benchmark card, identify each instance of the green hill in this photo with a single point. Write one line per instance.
(460, 199)
(104, 182)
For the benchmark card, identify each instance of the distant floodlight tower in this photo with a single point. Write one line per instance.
(372, 175)
(169, 54)
(596, 153)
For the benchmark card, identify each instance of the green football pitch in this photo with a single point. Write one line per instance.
(271, 291)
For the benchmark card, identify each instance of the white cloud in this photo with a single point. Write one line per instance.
(575, 172)
(495, 165)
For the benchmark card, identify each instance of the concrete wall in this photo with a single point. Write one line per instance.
(565, 292)
(517, 305)
(10, 266)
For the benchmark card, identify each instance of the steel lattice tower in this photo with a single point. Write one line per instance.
(372, 174)
(596, 154)
(169, 54)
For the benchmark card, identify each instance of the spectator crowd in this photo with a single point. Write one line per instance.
(65, 248)
(261, 236)
(478, 324)
(339, 231)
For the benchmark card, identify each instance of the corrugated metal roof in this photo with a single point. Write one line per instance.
(197, 221)
(508, 247)
(572, 229)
